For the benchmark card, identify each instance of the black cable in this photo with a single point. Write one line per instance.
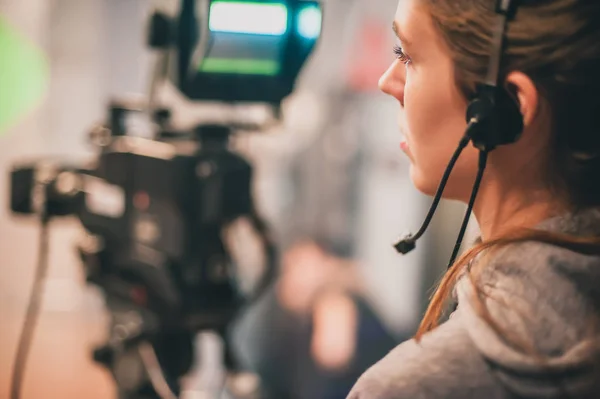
(482, 163)
(270, 273)
(407, 244)
(438, 195)
(31, 316)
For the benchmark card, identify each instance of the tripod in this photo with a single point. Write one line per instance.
(152, 368)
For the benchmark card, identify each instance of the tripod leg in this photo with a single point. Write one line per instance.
(150, 370)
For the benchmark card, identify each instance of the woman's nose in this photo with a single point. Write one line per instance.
(392, 81)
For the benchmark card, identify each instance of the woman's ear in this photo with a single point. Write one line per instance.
(522, 89)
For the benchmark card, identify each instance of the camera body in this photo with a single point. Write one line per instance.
(157, 208)
(154, 214)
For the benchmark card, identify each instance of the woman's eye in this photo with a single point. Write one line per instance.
(405, 59)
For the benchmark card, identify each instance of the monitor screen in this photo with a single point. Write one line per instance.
(246, 38)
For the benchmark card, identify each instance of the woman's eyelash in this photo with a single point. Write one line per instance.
(401, 55)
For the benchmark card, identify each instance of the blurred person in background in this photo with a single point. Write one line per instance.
(344, 297)
(317, 331)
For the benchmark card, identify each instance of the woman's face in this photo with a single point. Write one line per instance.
(432, 108)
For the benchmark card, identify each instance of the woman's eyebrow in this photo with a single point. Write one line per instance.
(396, 29)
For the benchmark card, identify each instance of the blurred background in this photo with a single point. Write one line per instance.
(331, 181)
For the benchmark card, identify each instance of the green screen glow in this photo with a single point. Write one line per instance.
(240, 66)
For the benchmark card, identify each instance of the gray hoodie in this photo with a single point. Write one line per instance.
(549, 297)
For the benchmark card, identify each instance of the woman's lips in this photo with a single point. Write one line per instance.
(404, 143)
(404, 146)
(406, 149)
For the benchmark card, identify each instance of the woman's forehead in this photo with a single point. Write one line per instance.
(413, 24)
(409, 18)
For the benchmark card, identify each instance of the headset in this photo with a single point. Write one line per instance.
(493, 119)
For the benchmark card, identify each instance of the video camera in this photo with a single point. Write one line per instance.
(155, 210)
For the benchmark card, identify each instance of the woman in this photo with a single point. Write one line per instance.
(527, 321)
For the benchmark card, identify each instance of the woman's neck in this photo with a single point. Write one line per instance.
(501, 207)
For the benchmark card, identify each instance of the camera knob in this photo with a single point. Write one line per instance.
(104, 355)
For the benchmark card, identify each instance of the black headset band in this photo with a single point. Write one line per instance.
(504, 10)
(505, 7)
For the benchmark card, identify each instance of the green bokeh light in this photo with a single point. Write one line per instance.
(23, 75)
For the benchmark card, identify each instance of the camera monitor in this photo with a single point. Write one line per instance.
(250, 51)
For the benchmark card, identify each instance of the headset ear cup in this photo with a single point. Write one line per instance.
(499, 119)
(481, 107)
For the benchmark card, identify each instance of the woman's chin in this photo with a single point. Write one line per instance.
(455, 188)
(422, 182)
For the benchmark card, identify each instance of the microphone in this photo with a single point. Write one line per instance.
(408, 243)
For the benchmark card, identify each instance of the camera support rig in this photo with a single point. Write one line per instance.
(155, 214)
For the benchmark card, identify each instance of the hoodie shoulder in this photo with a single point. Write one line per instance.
(444, 365)
(539, 317)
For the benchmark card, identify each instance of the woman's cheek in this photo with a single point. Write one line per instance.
(411, 105)
(410, 86)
